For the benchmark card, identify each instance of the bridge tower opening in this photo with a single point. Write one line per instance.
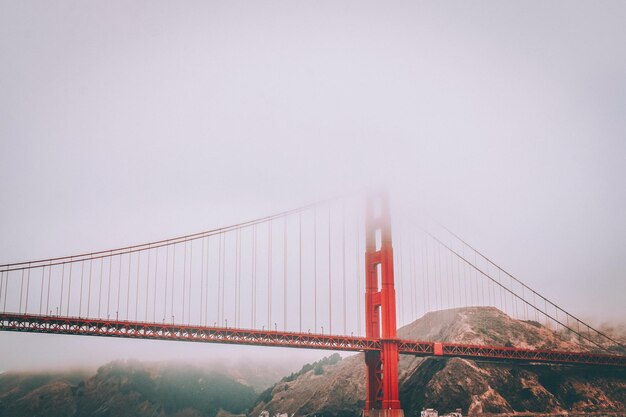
(382, 396)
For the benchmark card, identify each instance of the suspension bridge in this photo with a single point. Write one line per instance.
(324, 276)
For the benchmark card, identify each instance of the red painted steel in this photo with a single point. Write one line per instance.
(164, 331)
(383, 396)
(531, 355)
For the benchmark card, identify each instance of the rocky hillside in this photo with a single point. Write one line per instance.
(338, 389)
(122, 389)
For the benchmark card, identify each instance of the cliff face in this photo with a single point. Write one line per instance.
(447, 384)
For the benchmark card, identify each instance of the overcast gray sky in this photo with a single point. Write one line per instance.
(128, 121)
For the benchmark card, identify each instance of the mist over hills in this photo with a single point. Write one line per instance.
(134, 388)
(124, 388)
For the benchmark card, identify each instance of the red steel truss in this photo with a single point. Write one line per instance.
(164, 331)
(529, 355)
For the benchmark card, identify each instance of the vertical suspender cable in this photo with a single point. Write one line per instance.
(399, 267)
(43, 270)
(119, 285)
(426, 262)
(315, 268)
(2, 274)
(128, 288)
(492, 293)
(412, 279)
(80, 298)
(467, 272)
(446, 268)
(156, 277)
(424, 289)
(69, 287)
(147, 284)
(526, 305)
(357, 264)
(418, 272)
(474, 281)
(109, 291)
(513, 300)
(414, 282)
(173, 281)
(458, 272)
(4, 280)
(27, 285)
(400, 295)
(300, 263)
(454, 281)
(202, 285)
(88, 288)
(190, 281)
(330, 287)
(482, 281)
(28, 289)
(440, 278)
(182, 317)
(253, 314)
(501, 292)
(285, 273)
(485, 276)
(137, 289)
(436, 284)
(412, 275)
(238, 279)
(343, 263)
(223, 277)
(4, 283)
(47, 293)
(167, 267)
(503, 297)
(6, 289)
(62, 288)
(398, 278)
(206, 295)
(236, 269)
(269, 275)
(219, 280)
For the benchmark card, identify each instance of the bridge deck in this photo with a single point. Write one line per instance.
(191, 333)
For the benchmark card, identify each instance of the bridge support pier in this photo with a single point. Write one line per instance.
(380, 313)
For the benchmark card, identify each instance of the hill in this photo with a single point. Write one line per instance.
(125, 388)
(338, 389)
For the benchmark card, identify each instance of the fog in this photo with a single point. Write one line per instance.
(124, 122)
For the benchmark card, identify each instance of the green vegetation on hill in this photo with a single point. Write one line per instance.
(316, 366)
(125, 389)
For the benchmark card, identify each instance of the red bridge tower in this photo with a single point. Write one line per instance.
(382, 397)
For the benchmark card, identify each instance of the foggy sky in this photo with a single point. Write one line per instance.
(123, 122)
